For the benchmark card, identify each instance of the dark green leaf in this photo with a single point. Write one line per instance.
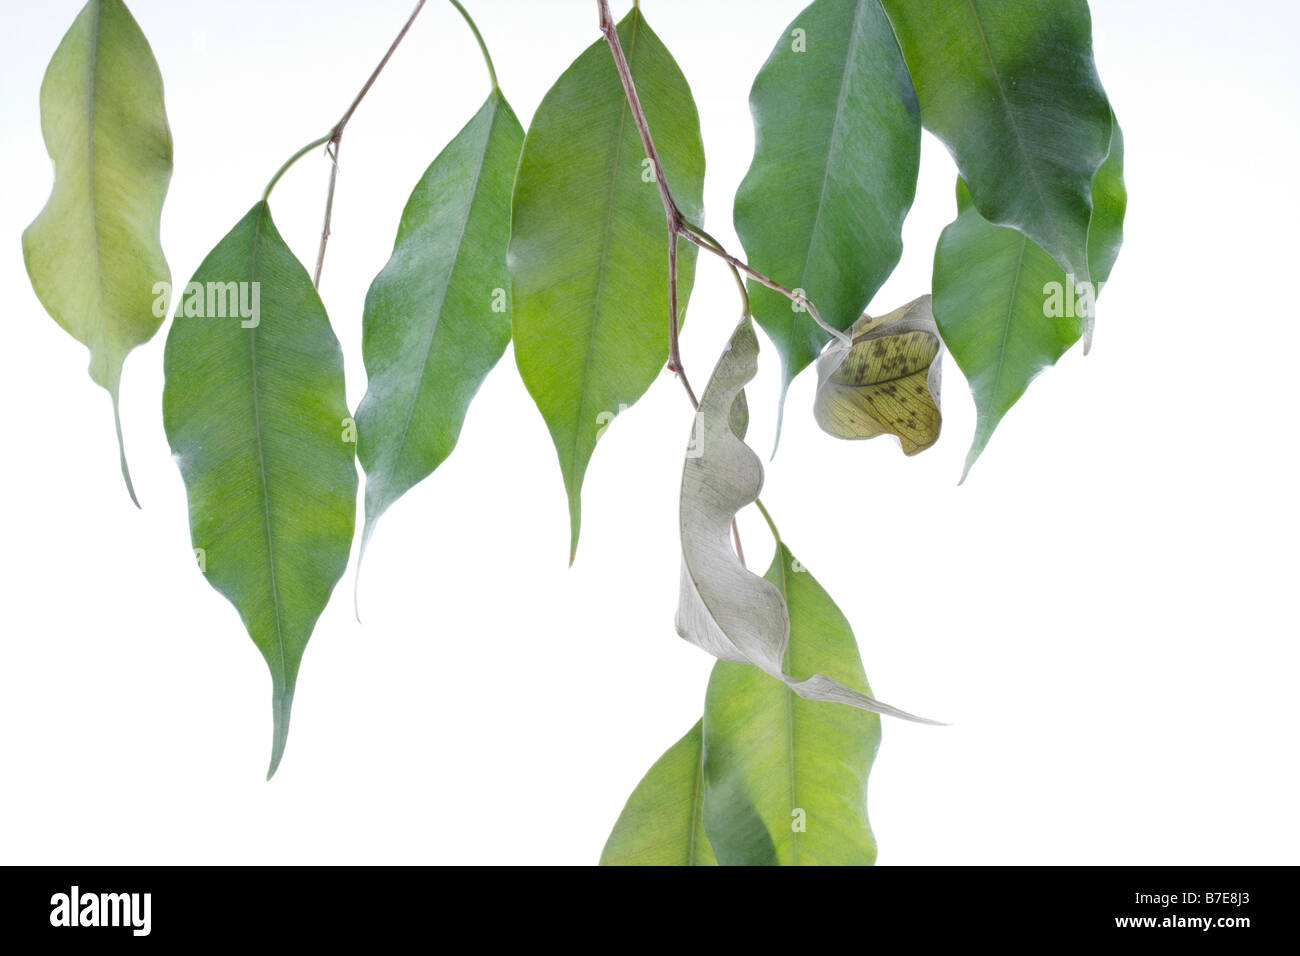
(437, 316)
(256, 415)
(589, 247)
(1006, 309)
(837, 146)
(1011, 88)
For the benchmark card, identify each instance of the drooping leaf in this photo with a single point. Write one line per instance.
(437, 316)
(1006, 309)
(837, 148)
(724, 608)
(662, 823)
(783, 774)
(93, 253)
(588, 244)
(255, 412)
(887, 383)
(1011, 88)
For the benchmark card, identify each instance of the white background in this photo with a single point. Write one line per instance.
(1105, 610)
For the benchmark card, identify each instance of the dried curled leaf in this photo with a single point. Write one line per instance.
(887, 382)
(724, 608)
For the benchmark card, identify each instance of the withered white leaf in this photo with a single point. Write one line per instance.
(724, 608)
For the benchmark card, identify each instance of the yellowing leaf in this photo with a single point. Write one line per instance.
(887, 382)
(93, 254)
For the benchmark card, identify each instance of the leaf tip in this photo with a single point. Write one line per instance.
(780, 417)
(366, 532)
(121, 451)
(575, 525)
(281, 703)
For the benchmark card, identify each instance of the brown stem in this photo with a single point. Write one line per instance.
(676, 223)
(674, 348)
(336, 137)
(704, 241)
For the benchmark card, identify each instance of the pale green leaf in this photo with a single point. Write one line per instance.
(93, 253)
(784, 775)
(256, 415)
(662, 824)
(589, 246)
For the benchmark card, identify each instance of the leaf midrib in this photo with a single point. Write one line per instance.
(263, 211)
(100, 330)
(789, 710)
(601, 270)
(1006, 325)
(832, 145)
(696, 815)
(442, 297)
(1030, 168)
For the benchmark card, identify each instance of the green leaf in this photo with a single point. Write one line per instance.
(662, 823)
(887, 383)
(256, 415)
(93, 253)
(437, 316)
(837, 147)
(1106, 231)
(589, 246)
(1011, 88)
(1006, 309)
(785, 775)
(724, 608)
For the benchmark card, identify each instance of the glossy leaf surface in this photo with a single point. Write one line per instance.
(93, 253)
(589, 247)
(1006, 309)
(256, 415)
(437, 316)
(1011, 88)
(837, 148)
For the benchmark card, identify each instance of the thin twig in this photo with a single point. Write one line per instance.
(712, 245)
(336, 137)
(674, 356)
(290, 161)
(677, 224)
(675, 221)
